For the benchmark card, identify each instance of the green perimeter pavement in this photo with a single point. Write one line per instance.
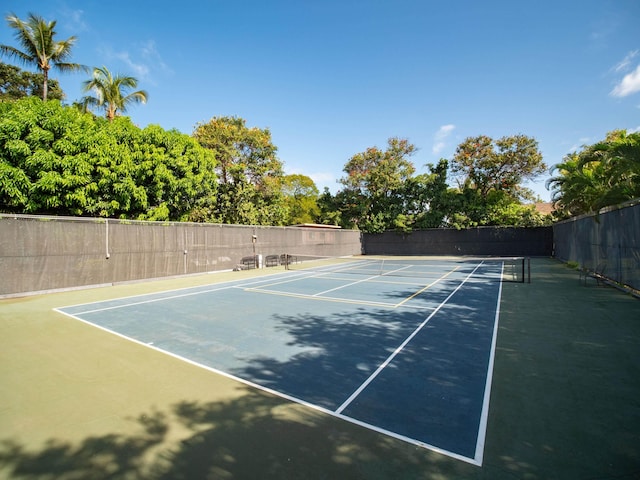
(77, 402)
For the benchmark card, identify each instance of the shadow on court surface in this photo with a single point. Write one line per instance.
(254, 436)
(78, 402)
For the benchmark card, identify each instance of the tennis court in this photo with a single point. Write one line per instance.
(404, 348)
(564, 400)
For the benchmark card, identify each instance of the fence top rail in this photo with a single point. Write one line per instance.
(103, 220)
(602, 211)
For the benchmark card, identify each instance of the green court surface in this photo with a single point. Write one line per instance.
(79, 402)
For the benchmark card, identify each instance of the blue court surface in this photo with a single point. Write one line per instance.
(407, 356)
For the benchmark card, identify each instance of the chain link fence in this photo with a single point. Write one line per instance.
(39, 253)
(606, 243)
(494, 241)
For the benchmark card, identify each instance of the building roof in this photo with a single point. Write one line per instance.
(317, 225)
(546, 208)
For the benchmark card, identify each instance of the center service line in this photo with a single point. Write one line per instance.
(364, 385)
(426, 288)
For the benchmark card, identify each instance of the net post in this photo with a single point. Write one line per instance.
(529, 269)
(523, 274)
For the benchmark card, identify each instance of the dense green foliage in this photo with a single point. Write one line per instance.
(16, 83)
(382, 191)
(249, 173)
(57, 160)
(490, 175)
(300, 198)
(600, 175)
(486, 165)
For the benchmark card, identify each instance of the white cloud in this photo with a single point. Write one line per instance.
(445, 131)
(142, 61)
(441, 135)
(634, 130)
(438, 147)
(150, 53)
(73, 20)
(623, 66)
(140, 69)
(629, 84)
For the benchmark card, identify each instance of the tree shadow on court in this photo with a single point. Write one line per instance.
(254, 436)
(340, 350)
(433, 391)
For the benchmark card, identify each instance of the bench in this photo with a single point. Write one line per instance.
(272, 260)
(249, 262)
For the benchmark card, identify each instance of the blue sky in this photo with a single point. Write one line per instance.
(331, 78)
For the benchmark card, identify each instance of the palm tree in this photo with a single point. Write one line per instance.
(576, 187)
(40, 49)
(110, 92)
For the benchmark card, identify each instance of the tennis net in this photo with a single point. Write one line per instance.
(511, 269)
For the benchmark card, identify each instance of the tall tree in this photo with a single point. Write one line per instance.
(597, 176)
(620, 155)
(39, 47)
(16, 83)
(329, 206)
(112, 92)
(57, 160)
(301, 198)
(249, 172)
(427, 199)
(374, 185)
(485, 165)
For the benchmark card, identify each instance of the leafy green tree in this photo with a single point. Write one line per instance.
(329, 209)
(599, 175)
(382, 191)
(490, 176)
(301, 199)
(151, 173)
(16, 83)
(350, 208)
(427, 199)
(485, 165)
(620, 155)
(40, 169)
(36, 36)
(111, 92)
(249, 173)
(576, 187)
(374, 185)
(57, 160)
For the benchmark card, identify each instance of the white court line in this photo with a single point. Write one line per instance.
(345, 285)
(391, 272)
(374, 277)
(335, 413)
(384, 364)
(218, 287)
(280, 394)
(335, 299)
(422, 290)
(482, 428)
